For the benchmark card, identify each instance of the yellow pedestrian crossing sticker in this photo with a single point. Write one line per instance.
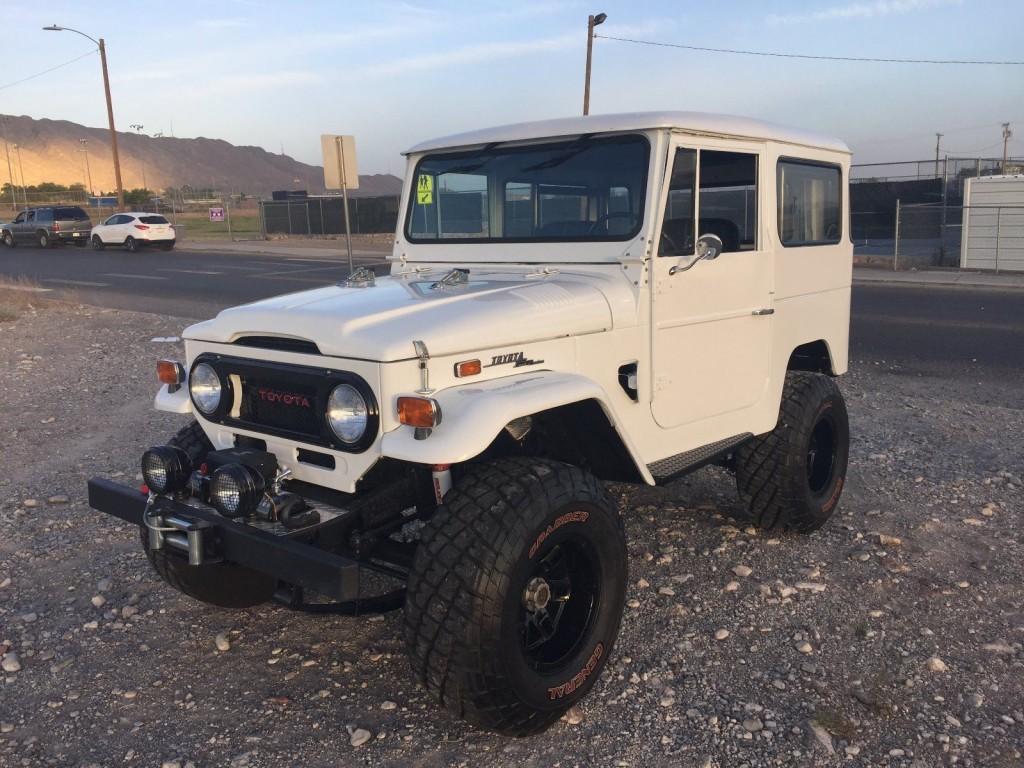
(425, 189)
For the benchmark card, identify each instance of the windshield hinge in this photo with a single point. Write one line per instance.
(361, 277)
(454, 278)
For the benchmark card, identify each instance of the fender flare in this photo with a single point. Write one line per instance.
(472, 415)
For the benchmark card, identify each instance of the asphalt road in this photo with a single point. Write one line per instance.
(967, 333)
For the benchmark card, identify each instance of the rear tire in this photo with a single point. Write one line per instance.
(516, 593)
(43, 238)
(131, 244)
(225, 585)
(792, 477)
(97, 244)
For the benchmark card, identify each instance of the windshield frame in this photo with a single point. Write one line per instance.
(529, 146)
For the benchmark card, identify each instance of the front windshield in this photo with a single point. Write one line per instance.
(584, 189)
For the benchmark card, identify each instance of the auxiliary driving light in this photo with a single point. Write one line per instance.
(166, 469)
(236, 490)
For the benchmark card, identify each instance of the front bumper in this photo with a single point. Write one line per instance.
(293, 558)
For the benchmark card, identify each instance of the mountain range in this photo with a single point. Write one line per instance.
(51, 150)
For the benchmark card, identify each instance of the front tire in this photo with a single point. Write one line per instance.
(8, 239)
(516, 593)
(792, 477)
(97, 244)
(225, 585)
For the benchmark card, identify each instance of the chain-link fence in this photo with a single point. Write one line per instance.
(987, 237)
(326, 216)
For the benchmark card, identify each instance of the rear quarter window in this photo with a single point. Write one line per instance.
(810, 202)
(70, 213)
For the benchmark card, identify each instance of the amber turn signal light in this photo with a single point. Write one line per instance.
(468, 368)
(170, 372)
(424, 412)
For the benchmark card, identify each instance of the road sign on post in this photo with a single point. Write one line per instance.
(216, 214)
(340, 173)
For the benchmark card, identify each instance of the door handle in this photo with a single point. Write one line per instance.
(762, 312)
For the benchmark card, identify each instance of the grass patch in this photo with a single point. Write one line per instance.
(16, 297)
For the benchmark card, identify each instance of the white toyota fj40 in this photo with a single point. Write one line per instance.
(616, 298)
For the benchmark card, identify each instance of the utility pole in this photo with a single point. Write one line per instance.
(110, 107)
(10, 169)
(592, 21)
(88, 170)
(138, 129)
(1007, 133)
(938, 139)
(21, 170)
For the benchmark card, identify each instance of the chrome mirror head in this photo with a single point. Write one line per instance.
(709, 247)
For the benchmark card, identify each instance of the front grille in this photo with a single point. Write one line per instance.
(281, 404)
(286, 400)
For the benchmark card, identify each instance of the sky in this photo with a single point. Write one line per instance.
(279, 73)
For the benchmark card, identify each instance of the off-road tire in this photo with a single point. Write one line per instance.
(8, 239)
(786, 478)
(225, 585)
(131, 244)
(465, 612)
(43, 238)
(97, 243)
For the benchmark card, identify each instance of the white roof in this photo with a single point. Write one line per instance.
(689, 122)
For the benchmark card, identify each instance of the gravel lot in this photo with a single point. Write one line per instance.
(893, 637)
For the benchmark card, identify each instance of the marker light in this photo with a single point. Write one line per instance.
(468, 368)
(422, 412)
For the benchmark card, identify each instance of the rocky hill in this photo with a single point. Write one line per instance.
(50, 150)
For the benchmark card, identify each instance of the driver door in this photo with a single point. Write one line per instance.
(711, 319)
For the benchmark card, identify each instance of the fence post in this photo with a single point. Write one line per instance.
(309, 226)
(289, 211)
(896, 244)
(227, 215)
(999, 222)
(323, 224)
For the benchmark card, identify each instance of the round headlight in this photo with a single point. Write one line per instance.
(347, 413)
(236, 490)
(166, 469)
(205, 387)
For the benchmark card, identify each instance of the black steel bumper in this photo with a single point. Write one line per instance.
(287, 558)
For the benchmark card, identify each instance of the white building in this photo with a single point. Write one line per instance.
(993, 227)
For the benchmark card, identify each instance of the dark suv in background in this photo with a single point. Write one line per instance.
(48, 226)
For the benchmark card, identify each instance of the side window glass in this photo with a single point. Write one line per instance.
(728, 199)
(31, 216)
(19, 218)
(809, 200)
(677, 226)
(518, 209)
(110, 221)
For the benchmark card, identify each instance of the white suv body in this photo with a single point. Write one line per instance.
(710, 343)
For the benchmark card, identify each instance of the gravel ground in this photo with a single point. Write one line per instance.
(893, 637)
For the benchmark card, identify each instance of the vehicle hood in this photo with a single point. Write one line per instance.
(380, 322)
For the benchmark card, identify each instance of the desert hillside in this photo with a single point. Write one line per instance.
(49, 151)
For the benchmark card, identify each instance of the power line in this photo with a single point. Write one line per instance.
(809, 56)
(45, 71)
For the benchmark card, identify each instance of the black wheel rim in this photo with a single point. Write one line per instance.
(821, 455)
(559, 601)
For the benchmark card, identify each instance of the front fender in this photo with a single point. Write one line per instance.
(474, 414)
(173, 402)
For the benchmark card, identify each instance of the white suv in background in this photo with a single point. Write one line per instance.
(134, 230)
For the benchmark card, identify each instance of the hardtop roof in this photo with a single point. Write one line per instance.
(690, 122)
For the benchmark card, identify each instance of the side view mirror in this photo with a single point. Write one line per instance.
(709, 248)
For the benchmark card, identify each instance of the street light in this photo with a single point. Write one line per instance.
(592, 21)
(110, 107)
(88, 170)
(138, 129)
(10, 169)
